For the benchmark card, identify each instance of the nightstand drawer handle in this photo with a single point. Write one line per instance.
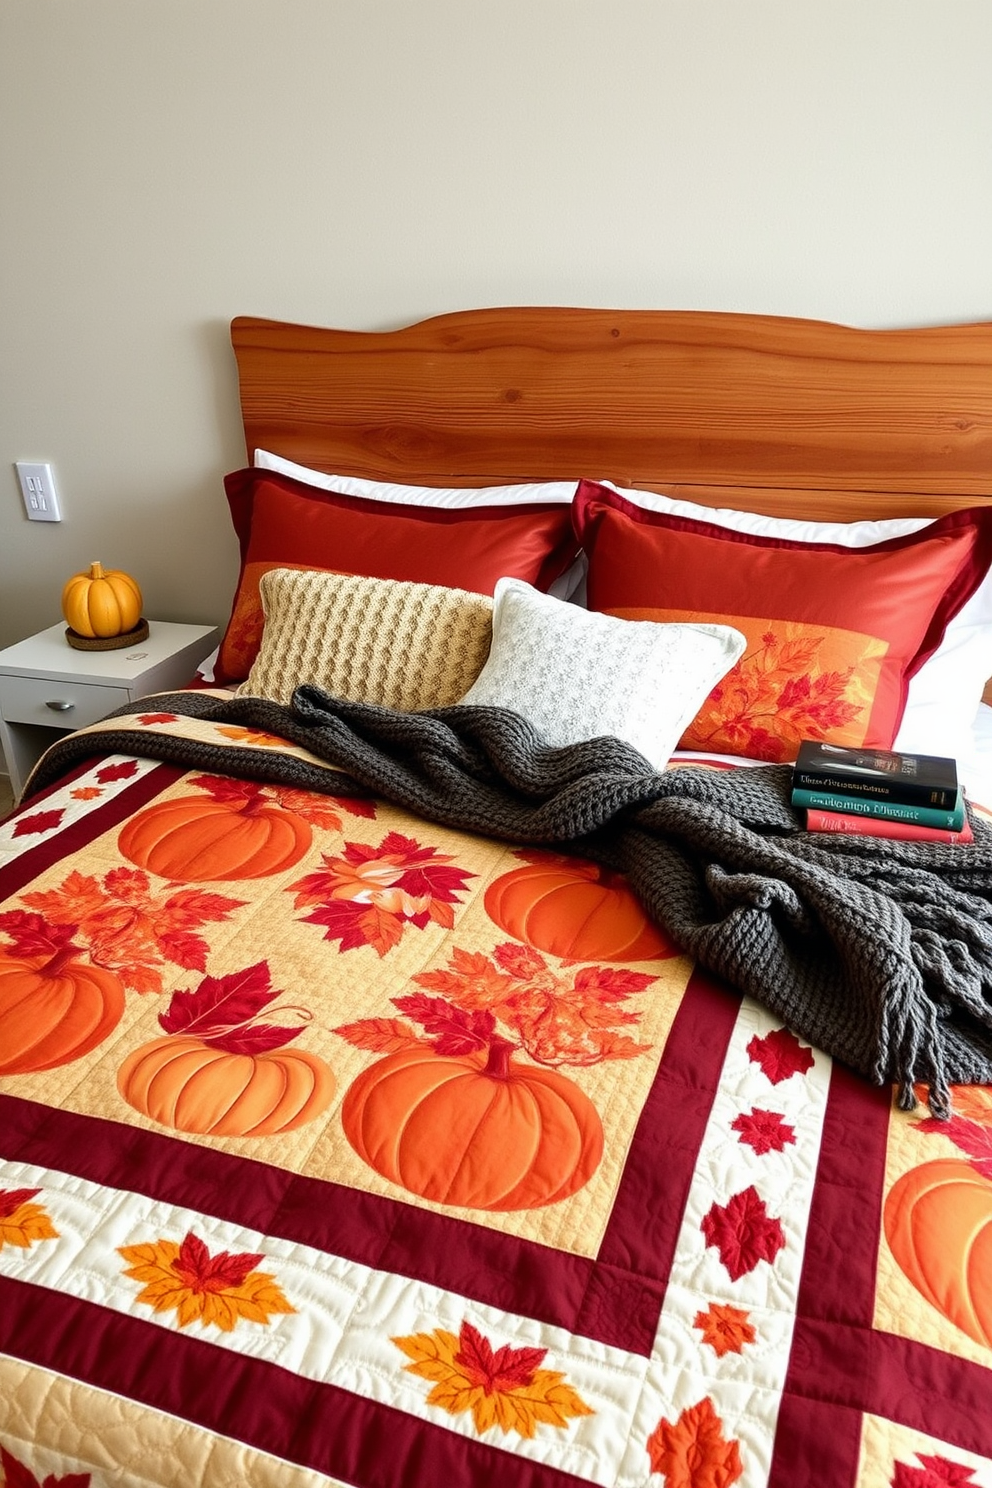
(59, 705)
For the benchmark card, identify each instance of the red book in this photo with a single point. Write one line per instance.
(875, 826)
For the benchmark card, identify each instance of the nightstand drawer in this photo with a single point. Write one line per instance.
(63, 705)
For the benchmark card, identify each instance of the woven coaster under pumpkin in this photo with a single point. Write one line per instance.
(107, 643)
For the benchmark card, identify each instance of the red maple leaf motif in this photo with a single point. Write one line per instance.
(226, 788)
(795, 692)
(40, 821)
(16, 1475)
(936, 1472)
(780, 1055)
(452, 1030)
(503, 1369)
(11, 1199)
(764, 1131)
(225, 1012)
(158, 718)
(743, 1232)
(202, 1272)
(32, 935)
(123, 771)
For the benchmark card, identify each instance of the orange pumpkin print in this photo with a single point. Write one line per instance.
(223, 1069)
(54, 1005)
(576, 910)
(191, 1086)
(938, 1222)
(235, 831)
(474, 1130)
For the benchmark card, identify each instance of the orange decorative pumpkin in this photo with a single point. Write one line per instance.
(576, 910)
(53, 1009)
(938, 1222)
(101, 602)
(186, 1084)
(474, 1130)
(193, 838)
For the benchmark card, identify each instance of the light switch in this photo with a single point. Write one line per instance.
(41, 500)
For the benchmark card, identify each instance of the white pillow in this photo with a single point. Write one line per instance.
(452, 498)
(943, 697)
(576, 674)
(353, 485)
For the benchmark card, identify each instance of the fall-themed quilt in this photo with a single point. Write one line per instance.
(341, 1147)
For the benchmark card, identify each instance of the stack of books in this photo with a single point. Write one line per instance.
(879, 793)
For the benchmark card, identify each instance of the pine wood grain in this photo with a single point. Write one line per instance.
(791, 416)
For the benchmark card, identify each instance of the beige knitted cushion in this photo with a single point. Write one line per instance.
(404, 645)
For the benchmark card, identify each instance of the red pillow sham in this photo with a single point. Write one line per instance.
(286, 523)
(834, 633)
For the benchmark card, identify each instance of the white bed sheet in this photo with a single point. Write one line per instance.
(974, 767)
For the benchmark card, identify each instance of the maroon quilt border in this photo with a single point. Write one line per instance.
(615, 1299)
(304, 1421)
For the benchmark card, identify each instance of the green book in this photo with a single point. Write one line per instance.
(923, 816)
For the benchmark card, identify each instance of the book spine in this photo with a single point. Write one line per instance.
(873, 826)
(900, 792)
(924, 816)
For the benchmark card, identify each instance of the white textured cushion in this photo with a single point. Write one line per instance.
(943, 696)
(386, 641)
(576, 674)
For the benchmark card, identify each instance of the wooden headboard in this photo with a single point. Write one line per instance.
(797, 417)
(791, 417)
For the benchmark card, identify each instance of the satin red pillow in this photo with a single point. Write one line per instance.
(834, 633)
(286, 523)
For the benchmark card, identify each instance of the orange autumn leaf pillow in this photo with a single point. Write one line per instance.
(834, 633)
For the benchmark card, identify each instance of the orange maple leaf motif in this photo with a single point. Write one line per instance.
(23, 1223)
(86, 792)
(573, 1018)
(257, 737)
(778, 694)
(130, 929)
(692, 1452)
(726, 1329)
(502, 1387)
(185, 1278)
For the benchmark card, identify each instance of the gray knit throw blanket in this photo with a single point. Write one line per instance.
(878, 951)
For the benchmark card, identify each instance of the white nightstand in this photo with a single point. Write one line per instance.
(47, 689)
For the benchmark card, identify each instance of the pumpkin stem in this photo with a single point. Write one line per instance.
(96, 569)
(498, 1063)
(53, 968)
(254, 801)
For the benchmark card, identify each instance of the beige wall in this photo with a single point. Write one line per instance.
(167, 164)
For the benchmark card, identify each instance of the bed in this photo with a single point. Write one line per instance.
(360, 1125)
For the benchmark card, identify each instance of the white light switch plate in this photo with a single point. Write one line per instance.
(41, 500)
